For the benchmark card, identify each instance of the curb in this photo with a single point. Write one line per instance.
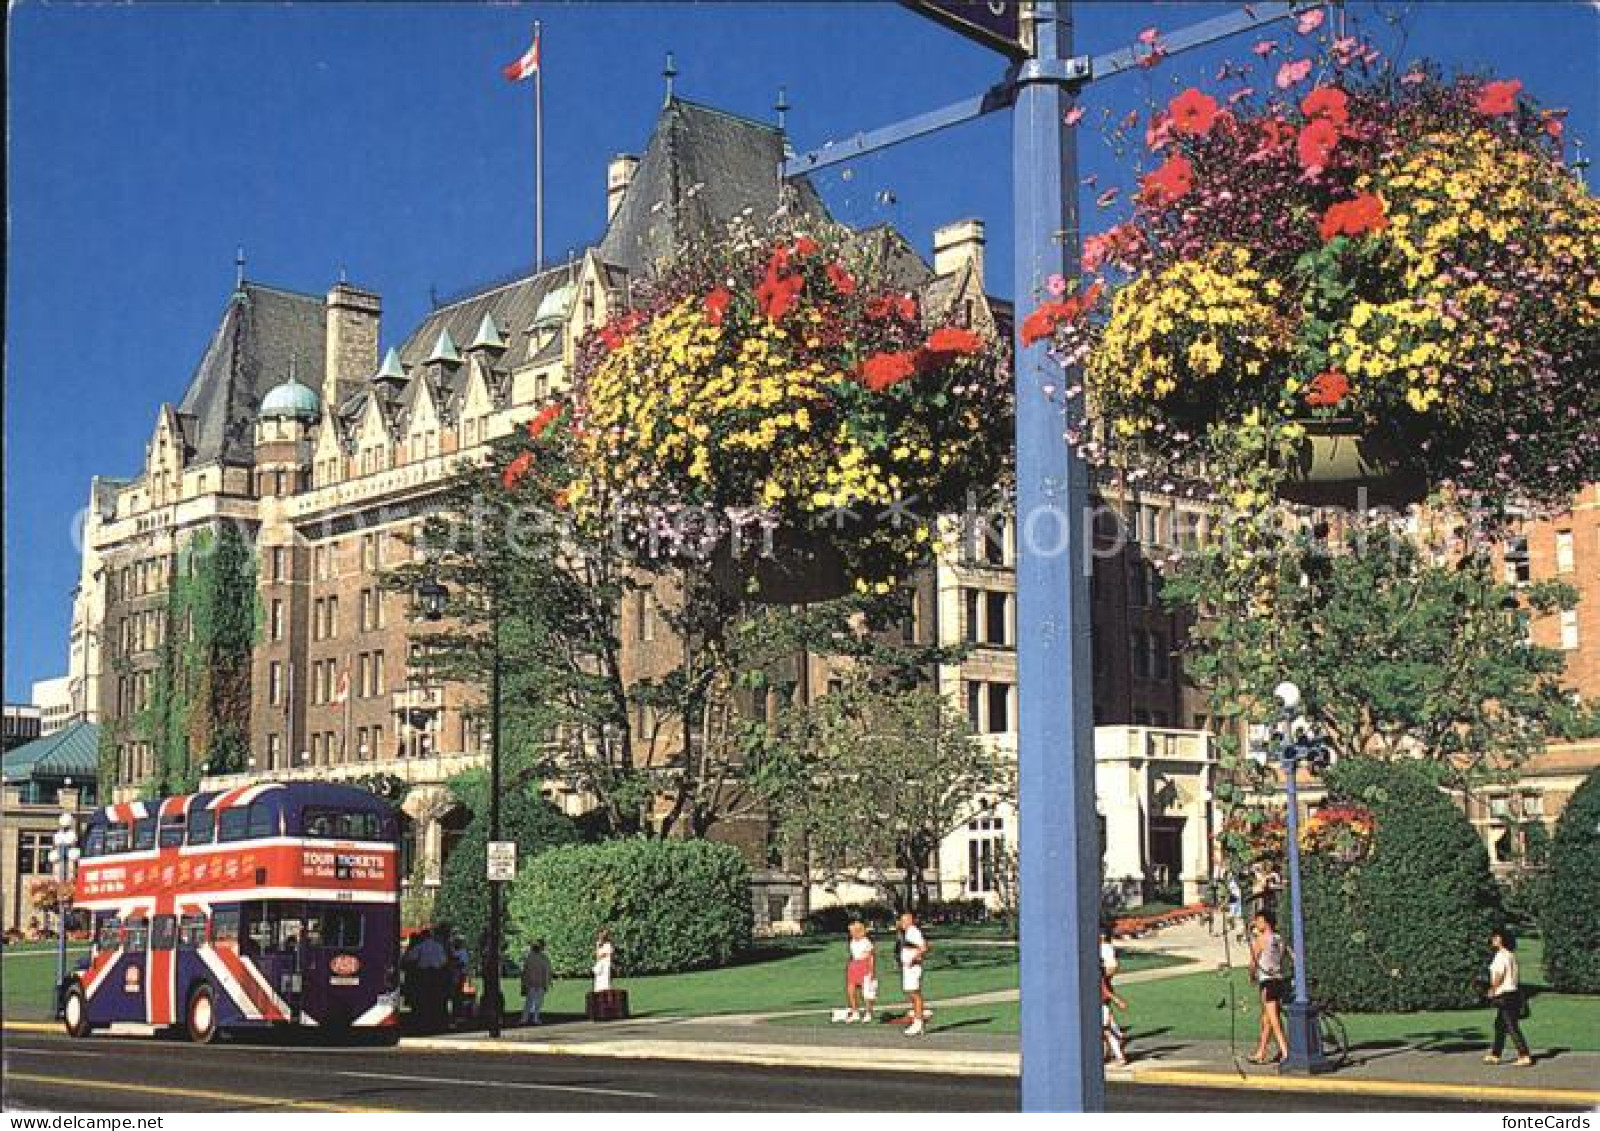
(32, 1027)
(1178, 1077)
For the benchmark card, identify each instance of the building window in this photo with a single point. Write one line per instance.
(1569, 630)
(333, 618)
(997, 618)
(369, 552)
(377, 673)
(1517, 569)
(989, 706)
(33, 853)
(1564, 551)
(986, 844)
(972, 606)
(277, 620)
(274, 751)
(275, 683)
(646, 613)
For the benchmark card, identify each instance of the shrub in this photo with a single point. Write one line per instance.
(669, 905)
(1408, 927)
(835, 920)
(525, 817)
(1571, 907)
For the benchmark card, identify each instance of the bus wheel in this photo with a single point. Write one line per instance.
(202, 1015)
(75, 1012)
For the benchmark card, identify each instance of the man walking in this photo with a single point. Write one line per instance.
(536, 977)
(913, 949)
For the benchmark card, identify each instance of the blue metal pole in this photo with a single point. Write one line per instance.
(1060, 850)
(1300, 1022)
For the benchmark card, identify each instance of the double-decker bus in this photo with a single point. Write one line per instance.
(268, 905)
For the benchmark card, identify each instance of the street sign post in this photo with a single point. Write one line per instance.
(502, 860)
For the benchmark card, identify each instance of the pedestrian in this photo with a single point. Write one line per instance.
(1114, 1043)
(860, 976)
(430, 971)
(1109, 963)
(1266, 968)
(536, 979)
(461, 989)
(1235, 906)
(1505, 994)
(913, 950)
(604, 953)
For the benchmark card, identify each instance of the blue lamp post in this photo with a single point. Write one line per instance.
(1297, 746)
(64, 862)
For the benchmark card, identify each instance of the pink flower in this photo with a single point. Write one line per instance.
(1148, 36)
(1310, 21)
(1056, 285)
(1412, 78)
(1075, 115)
(1265, 47)
(1291, 73)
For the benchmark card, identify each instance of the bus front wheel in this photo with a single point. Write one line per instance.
(201, 1016)
(75, 1012)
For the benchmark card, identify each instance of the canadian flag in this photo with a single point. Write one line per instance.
(525, 67)
(341, 693)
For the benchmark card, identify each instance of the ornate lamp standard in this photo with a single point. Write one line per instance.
(432, 597)
(1296, 744)
(63, 863)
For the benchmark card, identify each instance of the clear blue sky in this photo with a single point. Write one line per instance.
(147, 141)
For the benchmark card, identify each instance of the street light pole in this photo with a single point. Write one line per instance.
(64, 856)
(492, 1000)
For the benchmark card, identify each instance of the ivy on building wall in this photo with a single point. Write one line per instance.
(199, 707)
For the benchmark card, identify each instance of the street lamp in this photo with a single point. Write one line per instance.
(432, 597)
(1296, 744)
(63, 863)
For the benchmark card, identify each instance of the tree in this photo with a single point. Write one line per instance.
(1570, 912)
(1408, 926)
(870, 779)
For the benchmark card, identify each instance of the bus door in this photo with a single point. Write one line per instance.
(276, 934)
(343, 978)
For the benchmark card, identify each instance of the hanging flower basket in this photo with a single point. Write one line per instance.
(1404, 252)
(1336, 464)
(787, 391)
(1341, 832)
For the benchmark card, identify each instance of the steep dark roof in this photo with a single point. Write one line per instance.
(261, 329)
(513, 306)
(702, 169)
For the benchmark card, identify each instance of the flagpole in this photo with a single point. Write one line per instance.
(538, 152)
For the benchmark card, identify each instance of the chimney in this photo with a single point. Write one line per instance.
(619, 175)
(352, 353)
(957, 244)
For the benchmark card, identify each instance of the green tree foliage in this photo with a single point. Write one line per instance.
(525, 817)
(1408, 927)
(1571, 904)
(871, 778)
(199, 708)
(670, 905)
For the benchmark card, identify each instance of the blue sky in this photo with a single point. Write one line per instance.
(148, 141)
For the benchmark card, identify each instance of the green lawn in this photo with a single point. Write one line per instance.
(1199, 1006)
(27, 992)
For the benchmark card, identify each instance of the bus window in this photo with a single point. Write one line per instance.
(110, 933)
(337, 824)
(225, 928)
(234, 824)
(137, 936)
(191, 931)
(171, 832)
(144, 834)
(117, 839)
(95, 843)
(334, 928)
(263, 820)
(202, 827)
(163, 932)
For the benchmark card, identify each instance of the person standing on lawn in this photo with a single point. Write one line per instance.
(604, 952)
(536, 979)
(1109, 963)
(1505, 994)
(860, 976)
(1266, 967)
(1115, 1044)
(913, 949)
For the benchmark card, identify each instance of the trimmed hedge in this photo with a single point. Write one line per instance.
(670, 905)
(1570, 918)
(1408, 927)
(525, 817)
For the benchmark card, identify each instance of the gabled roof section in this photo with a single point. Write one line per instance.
(261, 329)
(510, 304)
(444, 348)
(702, 169)
(488, 335)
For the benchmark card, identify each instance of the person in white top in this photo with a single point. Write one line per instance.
(603, 952)
(913, 949)
(1505, 994)
(1109, 964)
(861, 976)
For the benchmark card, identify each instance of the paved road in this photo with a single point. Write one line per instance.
(134, 1074)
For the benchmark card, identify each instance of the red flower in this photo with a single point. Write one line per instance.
(1193, 112)
(1327, 102)
(1043, 321)
(1327, 389)
(1169, 183)
(1498, 97)
(547, 417)
(615, 332)
(884, 307)
(805, 247)
(777, 296)
(1316, 144)
(885, 370)
(516, 469)
(949, 342)
(717, 305)
(1354, 217)
(841, 279)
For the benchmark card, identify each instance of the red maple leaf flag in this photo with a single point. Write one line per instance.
(341, 693)
(525, 67)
